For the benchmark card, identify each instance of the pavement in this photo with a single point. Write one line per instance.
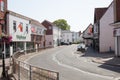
(107, 58)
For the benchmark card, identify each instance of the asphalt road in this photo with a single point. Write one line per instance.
(70, 65)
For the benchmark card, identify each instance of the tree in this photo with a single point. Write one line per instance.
(61, 23)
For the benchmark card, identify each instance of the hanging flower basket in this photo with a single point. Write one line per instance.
(5, 38)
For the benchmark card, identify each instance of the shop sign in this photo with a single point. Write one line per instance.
(20, 37)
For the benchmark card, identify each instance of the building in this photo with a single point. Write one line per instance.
(38, 32)
(76, 37)
(98, 13)
(19, 28)
(53, 34)
(67, 37)
(88, 35)
(26, 33)
(106, 39)
(116, 24)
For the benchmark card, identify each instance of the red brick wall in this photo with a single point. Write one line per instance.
(47, 25)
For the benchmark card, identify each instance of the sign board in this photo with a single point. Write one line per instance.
(19, 29)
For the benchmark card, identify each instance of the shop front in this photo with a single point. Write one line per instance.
(19, 30)
(117, 41)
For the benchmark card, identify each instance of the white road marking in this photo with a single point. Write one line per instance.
(74, 68)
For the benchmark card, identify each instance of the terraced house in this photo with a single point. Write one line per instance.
(106, 39)
(98, 13)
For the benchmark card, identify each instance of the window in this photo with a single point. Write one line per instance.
(27, 28)
(2, 5)
(14, 26)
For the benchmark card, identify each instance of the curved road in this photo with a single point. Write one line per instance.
(70, 66)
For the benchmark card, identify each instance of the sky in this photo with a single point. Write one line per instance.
(78, 13)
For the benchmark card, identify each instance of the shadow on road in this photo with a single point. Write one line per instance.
(112, 64)
(107, 59)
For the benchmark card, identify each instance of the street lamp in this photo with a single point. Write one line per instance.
(3, 52)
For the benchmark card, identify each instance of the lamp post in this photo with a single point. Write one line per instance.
(3, 50)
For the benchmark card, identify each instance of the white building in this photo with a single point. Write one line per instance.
(19, 29)
(106, 38)
(75, 37)
(66, 36)
(116, 24)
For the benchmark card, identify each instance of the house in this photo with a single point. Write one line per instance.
(98, 13)
(116, 24)
(76, 37)
(53, 34)
(66, 37)
(37, 34)
(88, 35)
(106, 39)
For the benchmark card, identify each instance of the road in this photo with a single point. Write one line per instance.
(70, 65)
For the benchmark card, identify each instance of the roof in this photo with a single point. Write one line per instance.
(32, 21)
(90, 25)
(35, 22)
(18, 15)
(99, 12)
(48, 22)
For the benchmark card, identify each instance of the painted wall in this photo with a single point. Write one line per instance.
(49, 41)
(106, 31)
(56, 35)
(20, 34)
(66, 36)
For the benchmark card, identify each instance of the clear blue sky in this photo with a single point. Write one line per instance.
(78, 13)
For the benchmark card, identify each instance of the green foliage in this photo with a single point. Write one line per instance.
(61, 23)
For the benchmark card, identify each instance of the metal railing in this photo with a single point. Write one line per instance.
(25, 71)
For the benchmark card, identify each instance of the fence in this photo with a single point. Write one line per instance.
(26, 71)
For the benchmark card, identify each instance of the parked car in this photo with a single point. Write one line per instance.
(65, 43)
(81, 47)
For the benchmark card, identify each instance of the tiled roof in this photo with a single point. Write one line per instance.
(99, 12)
(35, 22)
(48, 22)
